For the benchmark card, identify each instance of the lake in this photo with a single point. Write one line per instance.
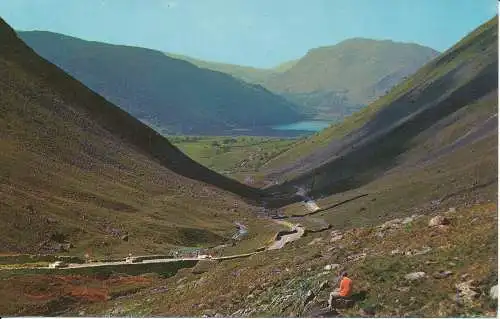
(312, 126)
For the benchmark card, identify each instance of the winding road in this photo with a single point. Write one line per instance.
(298, 233)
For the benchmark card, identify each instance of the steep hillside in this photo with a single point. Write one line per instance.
(336, 81)
(445, 113)
(169, 93)
(78, 173)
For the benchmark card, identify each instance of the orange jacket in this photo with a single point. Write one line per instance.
(345, 287)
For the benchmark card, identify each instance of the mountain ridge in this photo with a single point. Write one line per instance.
(173, 93)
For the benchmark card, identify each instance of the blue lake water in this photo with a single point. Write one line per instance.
(312, 126)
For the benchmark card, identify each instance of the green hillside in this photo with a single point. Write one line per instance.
(335, 81)
(79, 174)
(170, 93)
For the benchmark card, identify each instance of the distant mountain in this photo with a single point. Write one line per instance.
(169, 93)
(245, 73)
(338, 80)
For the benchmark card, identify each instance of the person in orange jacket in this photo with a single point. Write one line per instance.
(344, 291)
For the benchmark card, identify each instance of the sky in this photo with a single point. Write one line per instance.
(259, 33)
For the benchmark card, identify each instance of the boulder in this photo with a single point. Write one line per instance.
(318, 309)
(438, 221)
(124, 237)
(332, 267)
(415, 275)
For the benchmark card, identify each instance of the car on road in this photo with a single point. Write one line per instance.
(58, 264)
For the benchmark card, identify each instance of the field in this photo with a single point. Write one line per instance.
(231, 156)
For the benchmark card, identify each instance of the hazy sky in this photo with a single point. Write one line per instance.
(260, 33)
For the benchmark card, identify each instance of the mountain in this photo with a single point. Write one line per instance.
(76, 169)
(172, 94)
(245, 73)
(432, 137)
(335, 81)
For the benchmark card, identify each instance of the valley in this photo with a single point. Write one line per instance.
(139, 183)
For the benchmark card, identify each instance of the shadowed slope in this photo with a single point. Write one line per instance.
(75, 168)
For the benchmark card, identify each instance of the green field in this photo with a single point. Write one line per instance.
(232, 155)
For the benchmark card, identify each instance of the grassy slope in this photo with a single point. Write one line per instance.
(73, 167)
(275, 284)
(412, 91)
(172, 93)
(340, 79)
(233, 156)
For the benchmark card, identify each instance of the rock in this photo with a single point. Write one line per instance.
(317, 310)
(209, 313)
(355, 257)
(124, 237)
(395, 252)
(438, 220)
(407, 220)
(331, 267)
(452, 210)
(466, 292)
(494, 292)
(404, 289)
(424, 250)
(336, 238)
(415, 275)
(442, 274)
